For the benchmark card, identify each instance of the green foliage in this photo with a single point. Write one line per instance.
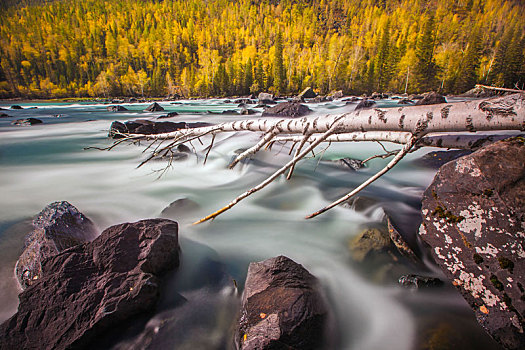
(224, 47)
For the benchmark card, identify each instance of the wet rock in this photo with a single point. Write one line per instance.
(474, 219)
(147, 127)
(360, 203)
(265, 98)
(281, 307)
(371, 241)
(437, 159)
(353, 164)
(117, 108)
(365, 104)
(179, 207)
(247, 111)
(319, 99)
(307, 93)
(89, 290)
(57, 227)
(378, 96)
(287, 109)
(399, 238)
(336, 94)
(479, 92)
(431, 98)
(415, 97)
(16, 107)
(405, 101)
(26, 122)
(418, 282)
(169, 115)
(351, 99)
(3, 115)
(243, 101)
(154, 107)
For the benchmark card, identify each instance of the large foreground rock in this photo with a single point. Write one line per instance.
(281, 307)
(58, 227)
(474, 221)
(287, 109)
(87, 291)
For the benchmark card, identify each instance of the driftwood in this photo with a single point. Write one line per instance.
(449, 125)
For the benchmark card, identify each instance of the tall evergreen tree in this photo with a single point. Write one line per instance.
(279, 75)
(426, 69)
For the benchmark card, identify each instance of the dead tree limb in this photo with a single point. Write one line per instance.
(413, 127)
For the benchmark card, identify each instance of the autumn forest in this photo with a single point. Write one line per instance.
(94, 48)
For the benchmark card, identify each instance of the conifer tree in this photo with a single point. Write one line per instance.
(426, 69)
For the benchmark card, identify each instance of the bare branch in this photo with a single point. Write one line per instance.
(405, 150)
(252, 150)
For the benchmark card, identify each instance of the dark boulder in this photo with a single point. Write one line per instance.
(307, 93)
(287, 109)
(148, 127)
(154, 107)
(431, 98)
(57, 227)
(26, 122)
(281, 307)
(169, 115)
(117, 108)
(417, 282)
(16, 107)
(87, 291)
(405, 101)
(3, 115)
(365, 104)
(378, 96)
(319, 99)
(245, 101)
(474, 216)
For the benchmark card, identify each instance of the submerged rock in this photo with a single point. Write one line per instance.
(418, 282)
(474, 220)
(287, 109)
(16, 107)
(353, 164)
(89, 290)
(57, 227)
(431, 98)
(336, 94)
(4, 115)
(117, 108)
(370, 242)
(436, 159)
(154, 107)
(26, 122)
(281, 307)
(179, 207)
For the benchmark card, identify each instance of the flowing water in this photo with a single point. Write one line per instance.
(47, 162)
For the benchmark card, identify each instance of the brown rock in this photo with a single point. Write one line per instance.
(287, 109)
(88, 290)
(431, 98)
(474, 221)
(281, 308)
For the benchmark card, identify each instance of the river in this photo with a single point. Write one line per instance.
(48, 162)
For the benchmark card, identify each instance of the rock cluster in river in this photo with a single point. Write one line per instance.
(86, 291)
(148, 127)
(281, 307)
(474, 222)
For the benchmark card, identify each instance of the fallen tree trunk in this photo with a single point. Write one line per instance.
(408, 126)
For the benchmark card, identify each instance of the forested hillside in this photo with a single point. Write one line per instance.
(222, 47)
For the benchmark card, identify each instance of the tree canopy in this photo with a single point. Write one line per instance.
(225, 47)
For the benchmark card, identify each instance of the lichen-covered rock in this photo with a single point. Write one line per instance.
(88, 290)
(57, 227)
(281, 307)
(287, 109)
(474, 222)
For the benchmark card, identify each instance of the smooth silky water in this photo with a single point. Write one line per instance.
(48, 162)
